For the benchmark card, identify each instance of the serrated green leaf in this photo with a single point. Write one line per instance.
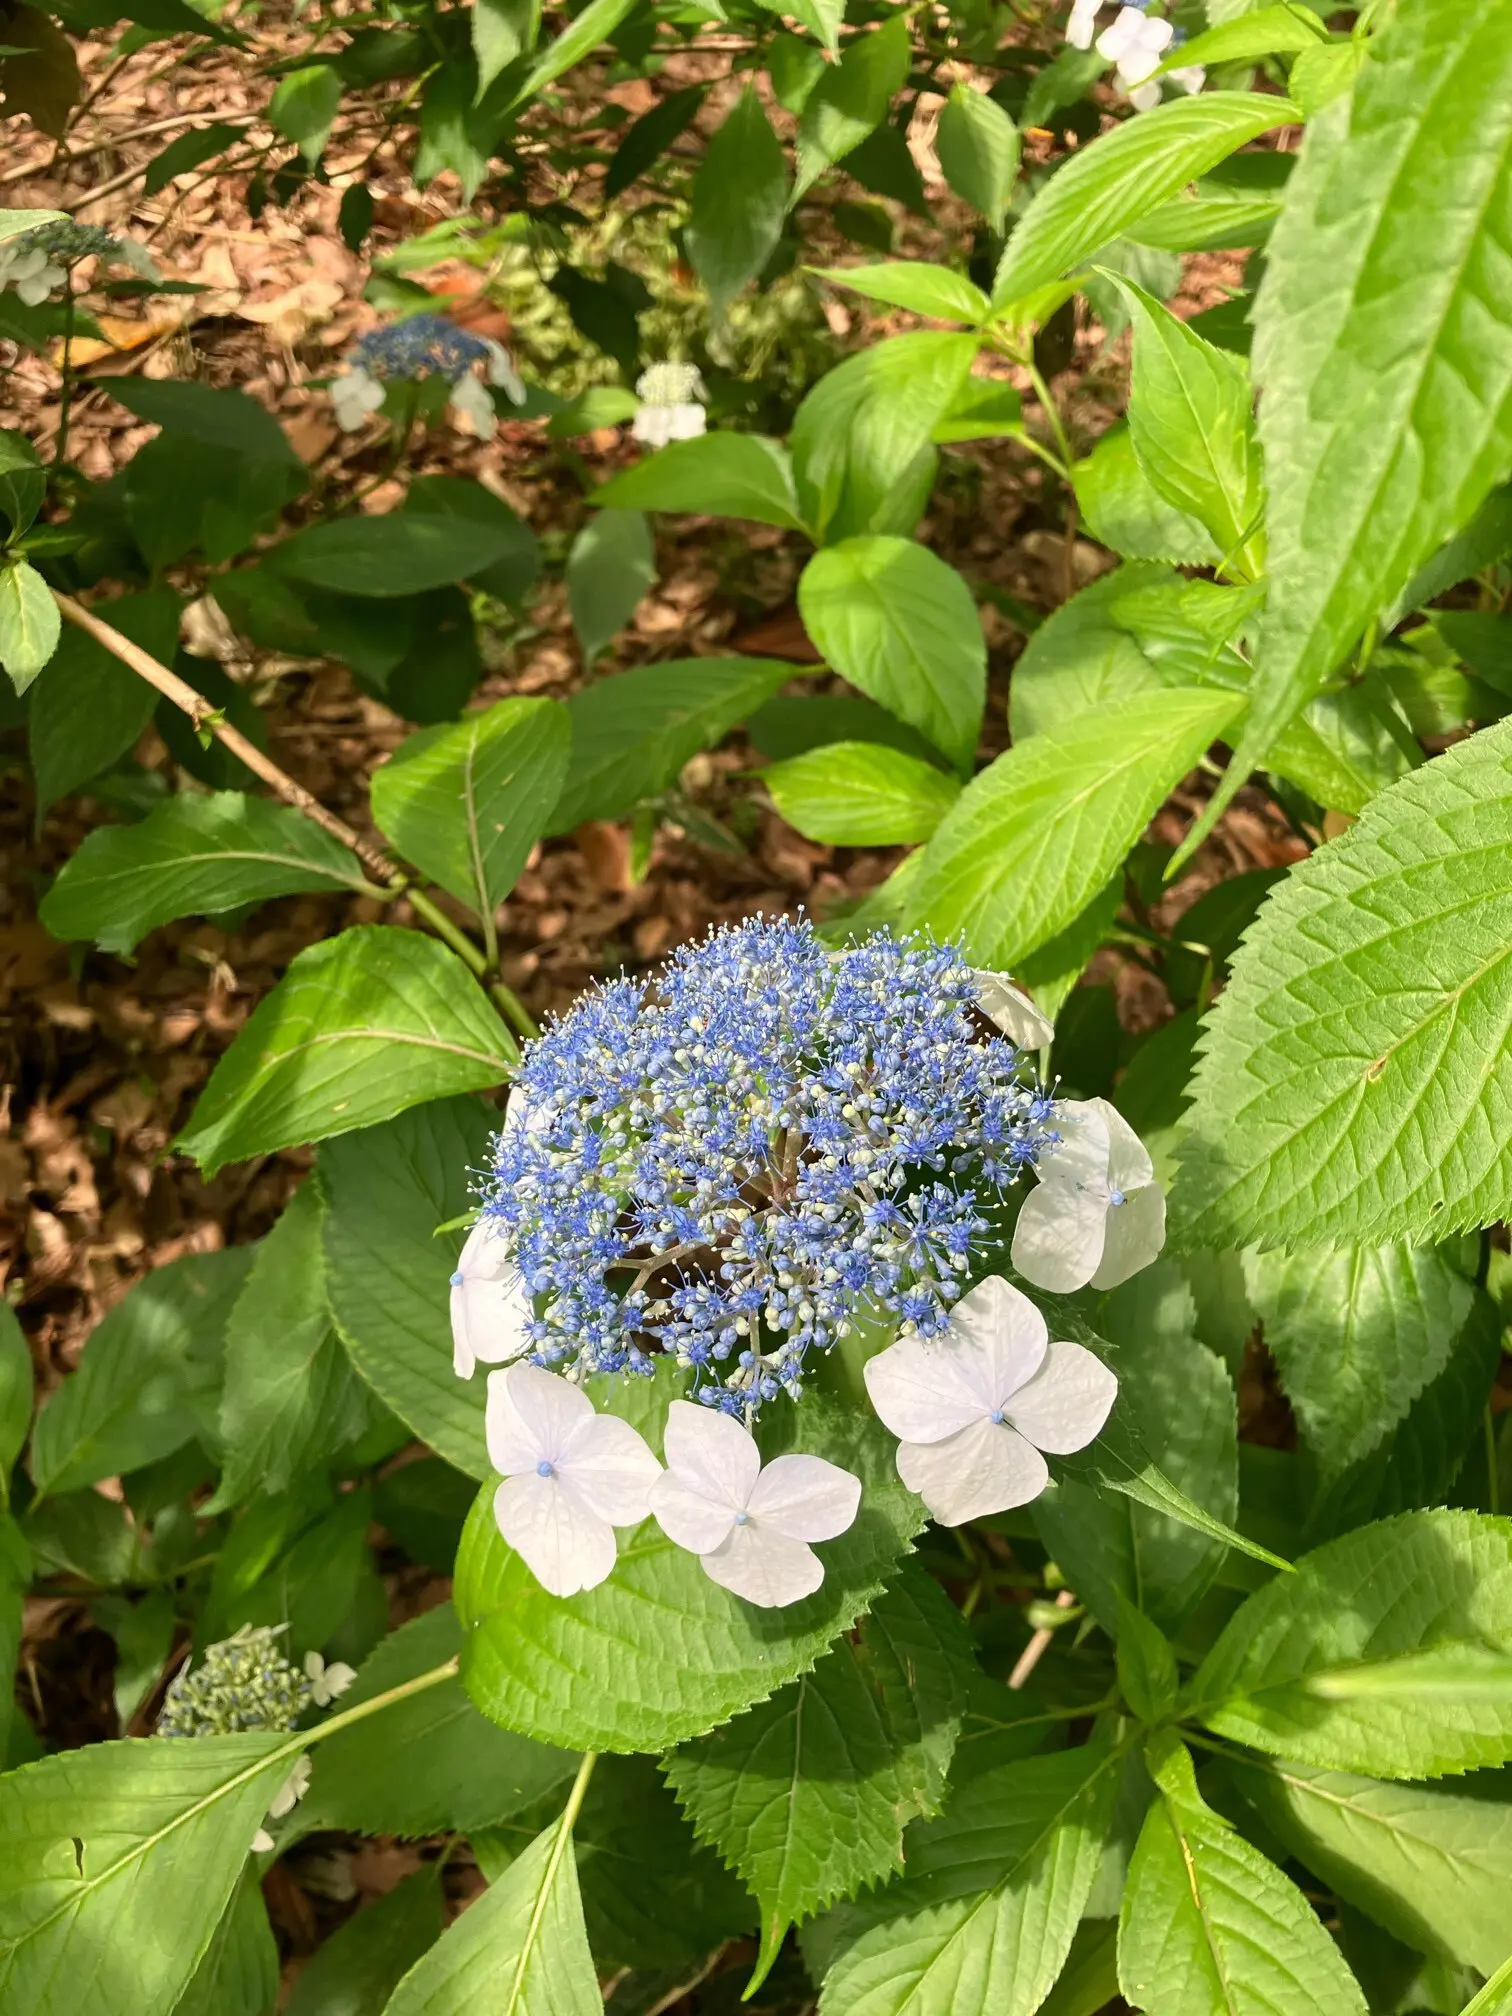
(732, 475)
(30, 625)
(594, 24)
(985, 1915)
(1382, 434)
(466, 801)
(359, 1028)
(851, 99)
(431, 1764)
(592, 1673)
(1123, 176)
(1210, 1927)
(1038, 834)
(117, 1861)
(916, 285)
(501, 31)
(738, 203)
(191, 857)
(1434, 1868)
(897, 621)
(1123, 509)
(807, 1794)
(1357, 1332)
(1266, 31)
(238, 1975)
(387, 1189)
(978, 145)
(1388, 1652)
(633, 732)
(1334, 1102)
(860, 794)
(1081, 657)
(1147, 1675)
(355, 1970)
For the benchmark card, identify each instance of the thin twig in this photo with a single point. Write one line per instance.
(1035, 1650)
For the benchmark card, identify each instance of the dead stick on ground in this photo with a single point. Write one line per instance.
(201, 713)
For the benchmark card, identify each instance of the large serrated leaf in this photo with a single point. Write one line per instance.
(1356, 1073)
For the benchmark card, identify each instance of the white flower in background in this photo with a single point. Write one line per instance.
(354, 395)
(1082, 26)
(499, 370)
(284, 1800)
(1098, 1215)
(571, 1475)
(974, 1408)
(1012, 1010)
(327, 1682)
(750, 1525)
(1135, 43)
(490, 1305)
(671, 408)
(1189, 78)
(30, 272)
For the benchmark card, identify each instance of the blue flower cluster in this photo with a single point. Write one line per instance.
(421, 346)
(734, 1163)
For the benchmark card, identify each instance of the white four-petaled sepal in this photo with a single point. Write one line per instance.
(354, 395)
(1135, 43)
(974, 1408)
(471, 402)
(1082, 26)
(327, 1682)
(571, 1475)
(285, 1799)
(490, 1304)
(501, 372)
(1012, 1010)
(1097, 1214)
(751, 1524)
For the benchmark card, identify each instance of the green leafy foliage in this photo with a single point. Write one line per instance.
(978, 146)
(301, 1069)
(739, 475)
(29, 623)
(860, 794)
(851, 99)
(358, 1968)
(739, 201)
(610, 567)
(404, 553)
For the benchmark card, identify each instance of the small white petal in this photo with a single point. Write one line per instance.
(686, 422)
(1133, 1236)
(805, 1498)
(470, 401)
(1189, 78)
(1002, 1337)
(988, 1467)
(922, 1390)
(764, 1567)
(1013, 1012)
(1066, 1403)
(1145, 97)
(687, 1517)
(611, 1469)
(1129, 1164)
(262, 1842)
(564, 1545)
(653, 426)
(1058, 1240)
(292, 1790)
(1082, 1153)
(712, 1454)
(334, 1682)
(533, 1417)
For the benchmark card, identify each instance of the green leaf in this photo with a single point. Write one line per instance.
(238, 1975)
(117, 1861)
(978, 145)
(29, 623)
(14, 222)
(858, 794)
(17, 1378)
(359, 1028)
(984, 1917)
(727, 475)
(984, 408)
(1333, 1101)
(453, 498)
(851, 99)
(1081, 657)
(403, 553)
(1267, 31)
(1122, 507)
(186, 153)
(594, 24)
(315, 1587)
(356, 1970)
(897, 621)
(501, 31)
(650, 136)
(129, 1401)
(428, 1765)
(304, 106)
(862, 454)
(592, 1673)
(610, 567)
(520, 1950)
(191, 857)
(1434, 1868)
(1147, 1675)
(467, 801)
(1357, 1333)
(1038, 834)
(914, 284)
(291, 1398)
(1378, 446)
(1495, 1999)
(212, 416)
(1388, 1652)
(1486, 539)
(387, 1189)
(806, 1795)
(1209, 1927)
(738, 203)
(23, 480)
(1123, 176)
(632, 733)
(1191, 424)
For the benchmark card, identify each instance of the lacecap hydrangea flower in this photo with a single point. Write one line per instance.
(36, 263)
(671, 408)
(426, 346)
(1136, 45)
(767, 1149)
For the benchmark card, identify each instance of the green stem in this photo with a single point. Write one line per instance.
(515, 1009)
(515, 1999)
(1052, 413)
(65, 401)
(443, 927)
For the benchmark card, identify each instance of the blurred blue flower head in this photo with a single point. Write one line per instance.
(733, 1164)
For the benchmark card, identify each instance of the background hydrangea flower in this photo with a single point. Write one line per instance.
(974, 1409)
(242, 1682)
(37, 263)
(671, 397)
(733, 1165)
(1135, 43)
(1097, 1215)
(426, 346)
